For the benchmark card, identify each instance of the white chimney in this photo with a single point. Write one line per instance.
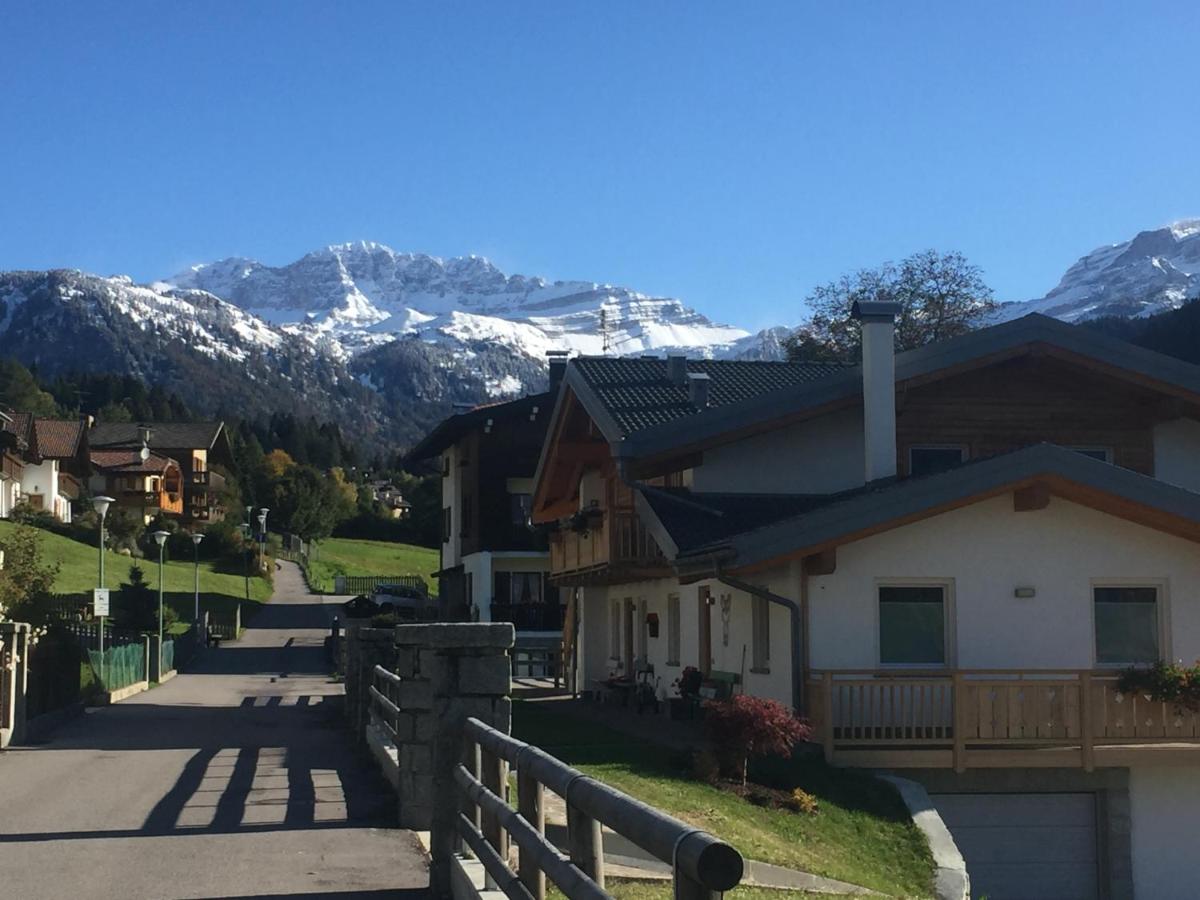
(879, 386)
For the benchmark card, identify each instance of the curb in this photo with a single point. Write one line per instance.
(951, 881)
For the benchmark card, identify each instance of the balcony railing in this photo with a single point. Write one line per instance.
(614, 543)
(200, 476)
(989, 717)
(529, 616)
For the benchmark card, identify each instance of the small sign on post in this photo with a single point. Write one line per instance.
(100, 602)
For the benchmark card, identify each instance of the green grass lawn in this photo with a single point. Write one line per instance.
(861, 834)
(341, 556)
(220, 592)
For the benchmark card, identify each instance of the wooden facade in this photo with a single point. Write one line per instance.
(1027, 400)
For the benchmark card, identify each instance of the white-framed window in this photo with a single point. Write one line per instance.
(1128, 623)
(614, 630)
(674, 630)
(760, 635)
(1104, 454)
(926, 459)
(914, 624)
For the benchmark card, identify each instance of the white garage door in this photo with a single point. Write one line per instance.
(1025, 846)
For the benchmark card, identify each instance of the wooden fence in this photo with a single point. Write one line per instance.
(365, 584)
(703, 866)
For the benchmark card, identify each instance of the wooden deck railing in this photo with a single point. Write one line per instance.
(964, 710)
(617, 539)
(703, 865)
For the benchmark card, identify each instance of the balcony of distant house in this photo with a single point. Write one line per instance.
(139, 480)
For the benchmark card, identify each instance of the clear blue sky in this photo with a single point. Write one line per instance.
(731, 154)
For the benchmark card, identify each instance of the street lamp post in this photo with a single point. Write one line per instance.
(262, 539)
(246, 554)
(160, 538)
(196, 539)
(101, 504)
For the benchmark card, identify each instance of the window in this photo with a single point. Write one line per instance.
(931, 458)
(466, 515)
(526, 587)
(614, 630)
(760, 636)
(446, 525)
(520, 506)
(673, 630)
(1104, 454)
(912, 626)
(446, 466)
(1126, 625)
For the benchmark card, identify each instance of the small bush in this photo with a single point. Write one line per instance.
(744, 726)
(761, 798)
(706, 768)
(801, 801)
(1172, 683)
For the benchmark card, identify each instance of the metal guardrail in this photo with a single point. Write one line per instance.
(365, 584)
(703, 866)
(384, 703)
(537, 662)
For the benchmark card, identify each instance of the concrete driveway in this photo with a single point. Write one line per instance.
(236, 779)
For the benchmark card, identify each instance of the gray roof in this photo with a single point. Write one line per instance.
(843, 384)
(626, 395)
(163, 435)
(452, 429)
(879, 503)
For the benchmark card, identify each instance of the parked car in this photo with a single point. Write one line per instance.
(404, 602)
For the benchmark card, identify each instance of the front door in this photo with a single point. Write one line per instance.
(704, 615)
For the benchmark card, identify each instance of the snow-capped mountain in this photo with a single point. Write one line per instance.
(362, 295)
(1155, 271)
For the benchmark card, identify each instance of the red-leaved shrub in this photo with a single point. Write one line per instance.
(743, 726)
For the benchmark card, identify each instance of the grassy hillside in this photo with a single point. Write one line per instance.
(220, 592)
(341, 556)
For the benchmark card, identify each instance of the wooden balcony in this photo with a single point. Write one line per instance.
(614, 547)
(994, 718)
(165, 501)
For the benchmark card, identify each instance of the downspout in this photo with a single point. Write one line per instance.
(794, 611)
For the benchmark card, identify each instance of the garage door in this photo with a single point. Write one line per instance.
(1025, 846)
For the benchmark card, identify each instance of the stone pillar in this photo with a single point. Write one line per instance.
(450, 672)
(365, 649)
(14, 656)
(153, 658)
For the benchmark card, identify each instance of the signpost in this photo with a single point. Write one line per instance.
(100, 602)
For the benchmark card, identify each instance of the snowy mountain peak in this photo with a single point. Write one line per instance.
(1154, 271)
(363, 294)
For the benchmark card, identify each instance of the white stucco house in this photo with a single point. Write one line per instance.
(54, 464)
(944, 559)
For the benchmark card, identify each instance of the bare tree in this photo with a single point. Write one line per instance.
(941, 295)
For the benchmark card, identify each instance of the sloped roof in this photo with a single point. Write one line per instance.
(130, 462)
(450, 430)
(163, 435)
(689, 520)
(637, 393)
(58, 438)
(845, 384)
(886, 504)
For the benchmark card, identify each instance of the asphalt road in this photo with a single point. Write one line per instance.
(236, 779)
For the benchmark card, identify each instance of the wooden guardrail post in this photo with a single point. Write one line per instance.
(531, 797)
(586, 838)
(494, 775)
(1087, 735)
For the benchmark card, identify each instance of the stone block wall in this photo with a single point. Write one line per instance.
(449, 673)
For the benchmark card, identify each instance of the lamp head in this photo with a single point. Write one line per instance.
(101, 505)
(197, 538)
(263, 512)
(160, 537)
(262, 521)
